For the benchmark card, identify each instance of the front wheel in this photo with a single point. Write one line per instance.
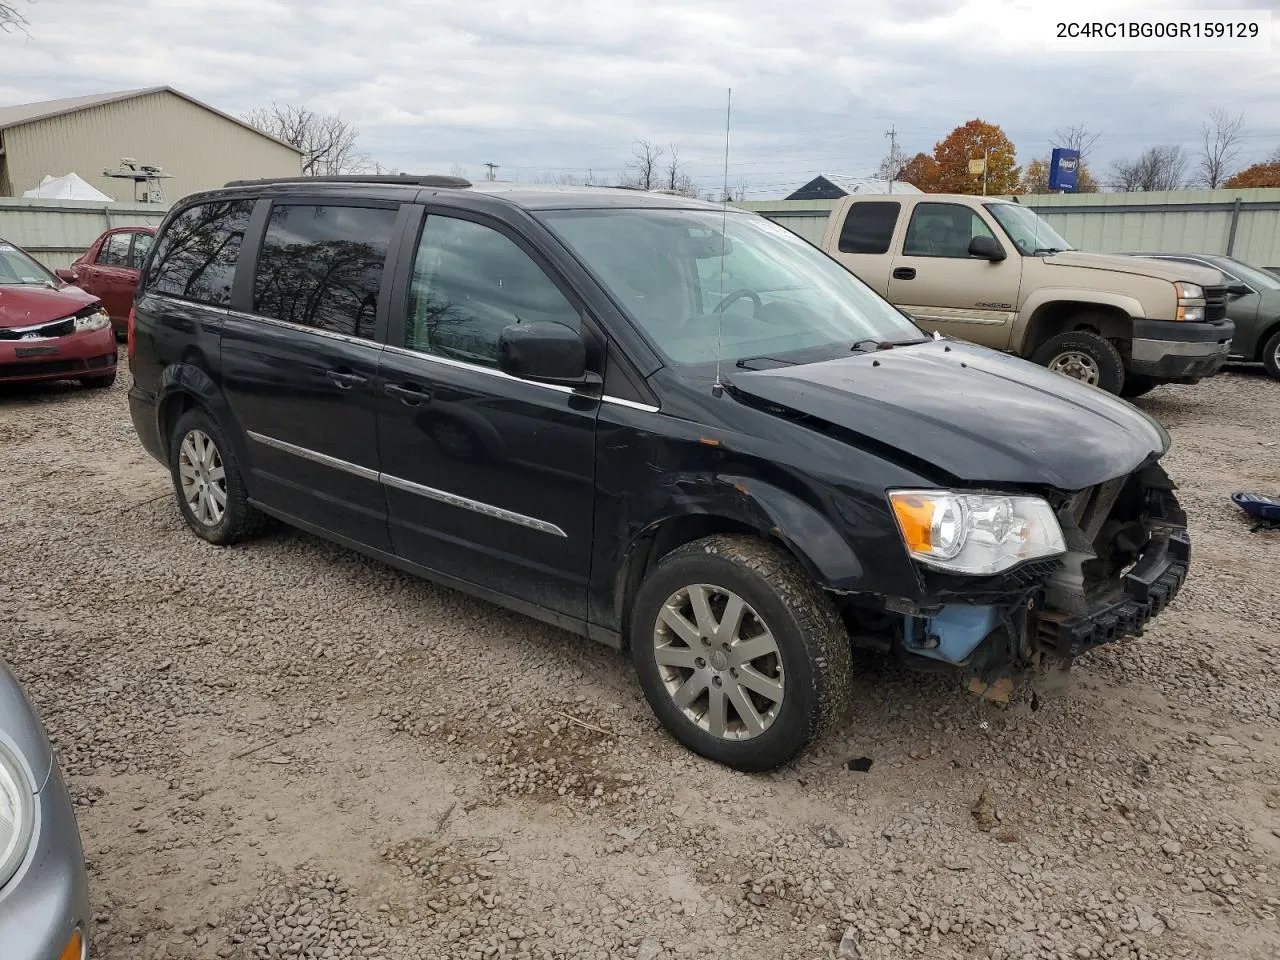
(208, 482)
(1271, 355)
(739, 653)
(1083, 356)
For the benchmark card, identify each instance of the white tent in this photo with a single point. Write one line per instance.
(70, 187)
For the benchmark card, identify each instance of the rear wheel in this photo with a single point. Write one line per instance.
(1083, 356)
(1271, 355)
(98, 383)
(739, 653)
(208, 482)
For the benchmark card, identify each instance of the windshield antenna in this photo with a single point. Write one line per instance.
(718, 388)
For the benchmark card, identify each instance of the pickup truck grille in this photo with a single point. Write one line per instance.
(1215, 304)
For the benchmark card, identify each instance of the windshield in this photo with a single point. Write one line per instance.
(778, 297)
(1258, 279)
(1030, 233)
(18, 268)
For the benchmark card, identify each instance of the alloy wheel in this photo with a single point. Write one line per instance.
(1078, 366)
(204, 479)
(719, 662)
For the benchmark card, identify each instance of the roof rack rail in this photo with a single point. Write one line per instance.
(407, 179)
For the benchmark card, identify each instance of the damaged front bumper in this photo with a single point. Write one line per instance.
(1128, 553)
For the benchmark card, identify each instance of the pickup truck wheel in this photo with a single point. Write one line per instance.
(1083, 356)
(739, 653)
(1271, 355)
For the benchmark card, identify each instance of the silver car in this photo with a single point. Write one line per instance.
(44, 888)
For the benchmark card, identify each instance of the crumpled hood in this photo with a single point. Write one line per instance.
(1140, 266)
(23, 306)
(978, 415)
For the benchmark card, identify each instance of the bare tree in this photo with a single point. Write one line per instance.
(1221, 138)
(1156, 168)
(1077, 137)
(458, 170)
(561, 179)
(674, 177)
(645, 170)
(11, 19)
(327, 142)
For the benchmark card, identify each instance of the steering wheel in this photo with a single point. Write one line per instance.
(732, 298)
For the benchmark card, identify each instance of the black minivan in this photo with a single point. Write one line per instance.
(675, 427)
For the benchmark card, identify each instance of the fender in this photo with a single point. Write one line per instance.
(1046, 296)
(188, 379)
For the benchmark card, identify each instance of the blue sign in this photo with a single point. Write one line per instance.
(1064, 169)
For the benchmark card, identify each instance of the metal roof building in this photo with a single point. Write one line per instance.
(198, 146)
(833, 187)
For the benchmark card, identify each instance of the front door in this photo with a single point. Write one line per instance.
(488, 478)
(112, 277)
(937, 282)
(300, 367)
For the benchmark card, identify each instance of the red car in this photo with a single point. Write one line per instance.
(109, 270)
(48, 329)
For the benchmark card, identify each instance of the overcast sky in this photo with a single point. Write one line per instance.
(563, 86)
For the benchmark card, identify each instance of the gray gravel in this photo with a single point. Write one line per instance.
(285, 750)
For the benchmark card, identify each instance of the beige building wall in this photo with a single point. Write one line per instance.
(199, 147)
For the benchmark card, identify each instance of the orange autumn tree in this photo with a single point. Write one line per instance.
(921, 171)
(970, 141)
(1258, 175)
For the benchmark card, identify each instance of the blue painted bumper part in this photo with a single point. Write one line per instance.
(951, 635)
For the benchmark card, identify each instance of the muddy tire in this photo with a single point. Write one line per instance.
(1271, 355)
(208, 482)
(1083, 356)
(740, 654)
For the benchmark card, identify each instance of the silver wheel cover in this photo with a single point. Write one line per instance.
(203, 478)
(719, 662)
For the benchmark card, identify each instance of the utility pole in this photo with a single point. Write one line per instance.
(892, 134)
(492, 167)
(986, 162)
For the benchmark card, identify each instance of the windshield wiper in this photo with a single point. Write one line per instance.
(1050, 250)
(860, 346)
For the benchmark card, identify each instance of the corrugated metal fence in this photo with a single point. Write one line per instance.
(1240, 223)
(55, 232)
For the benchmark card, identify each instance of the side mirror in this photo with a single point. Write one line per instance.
(985, 248)
(65, 274)
(543, 352)
(1239, 290)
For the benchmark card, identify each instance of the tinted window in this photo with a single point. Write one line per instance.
(942, 230)
(869, 226)
(321, 266)
(196, 257)
(469, 283)
(114, 251)
(141, 244)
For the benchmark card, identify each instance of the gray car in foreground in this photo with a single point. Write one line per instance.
(44, 890)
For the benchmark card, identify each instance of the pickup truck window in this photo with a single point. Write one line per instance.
(1030, 232)
(869, 226)
(943, 230)
(777, 294)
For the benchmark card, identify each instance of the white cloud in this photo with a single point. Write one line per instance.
(552, 86)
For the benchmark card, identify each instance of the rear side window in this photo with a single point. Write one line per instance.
(141, 244)
(869, 226)
(321, 266)
(196, 257)
(114, 251)
(942, 230)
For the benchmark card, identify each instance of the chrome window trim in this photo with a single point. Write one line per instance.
(408, 486)
(631, 404)
(179, 301)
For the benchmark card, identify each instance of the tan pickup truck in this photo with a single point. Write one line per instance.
(995, 273)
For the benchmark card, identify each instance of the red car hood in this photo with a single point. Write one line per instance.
(24, 306)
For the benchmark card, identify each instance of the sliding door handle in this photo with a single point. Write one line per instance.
(410, 394)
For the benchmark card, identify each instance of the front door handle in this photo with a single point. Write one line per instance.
(904, 273)
(345, 379)
(410, 394)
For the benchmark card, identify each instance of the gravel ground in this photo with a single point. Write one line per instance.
(285, 750)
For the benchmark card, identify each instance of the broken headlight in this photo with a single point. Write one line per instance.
(972, 533)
